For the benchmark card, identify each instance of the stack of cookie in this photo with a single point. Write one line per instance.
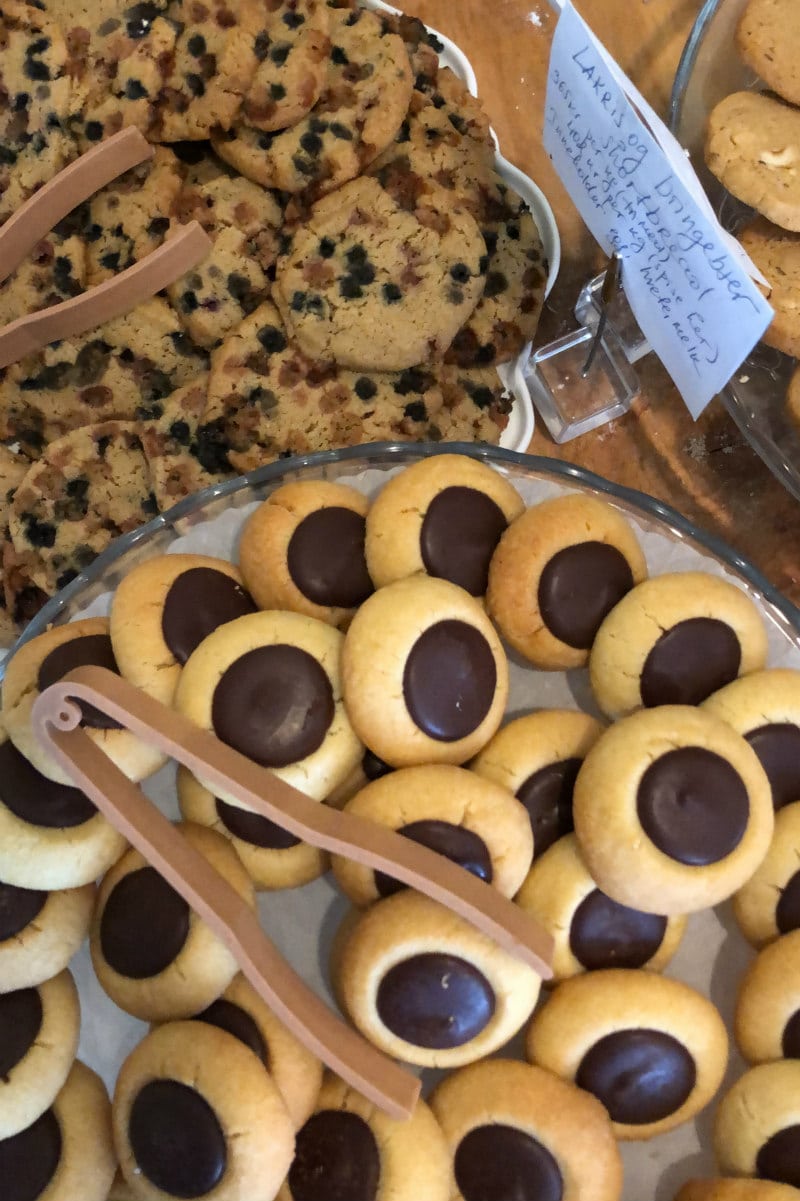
(369, 267)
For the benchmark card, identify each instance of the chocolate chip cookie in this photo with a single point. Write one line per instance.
(293, 57)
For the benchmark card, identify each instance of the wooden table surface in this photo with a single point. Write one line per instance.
(705, 469)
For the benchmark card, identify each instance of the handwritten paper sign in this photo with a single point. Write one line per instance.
(689, 290)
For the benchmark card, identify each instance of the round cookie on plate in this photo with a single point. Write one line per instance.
(425, 676)
(293, 61)
(152, 954)
(722, 1188)
(651, 1049)
(472, 821)
(767, 1018)
(350, 1148)
(590, 931)
(303, 550)
(194, 1112)
(556, 573)
(427, 987)
(538, 757)
(40, 932)
(515, 1131)
(444, 516)
(757, 1124)
(768, 904)
(765, 35)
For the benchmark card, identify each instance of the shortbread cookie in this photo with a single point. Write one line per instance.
(731, 1189)
(472, 821)
(768, 904)
(151, 952)
(756, 1127)
(674, 640)
(190, 1110)
(538, 757)
(776, 252)
(590, 931)
(425, 675)
(752, 146)
(673, 810)
(557, 572)
(765, 35)
(292, 65)
(442, 516)
(428, 988)
(767, 1019)
(651, 1049)
(40, 932)
(516, 1131)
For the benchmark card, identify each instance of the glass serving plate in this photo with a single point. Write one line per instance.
(710, 69)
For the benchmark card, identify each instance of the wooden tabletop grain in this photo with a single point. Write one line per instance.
(705, 469)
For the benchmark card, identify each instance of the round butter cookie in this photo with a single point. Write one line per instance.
(776, 252)
(652, 1050)
(757, 1124)
(793, 399)
(767, 1019)
(768, 904)
(40, 932)
(558, 570)
(766, 32)
(730, 1189)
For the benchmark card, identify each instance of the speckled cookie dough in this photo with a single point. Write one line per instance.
(151, 953)
(303, 550)
(537, 757)
(673, 810)
(40, 932)
(757, 1124)
(293, 59)
(768, 904)
(515, 1131)
(473, 821)
(428, 988)
(767, 1018)
(651, 1049)
(557, 572)
(442, 516)
(183, 1128)
(425, 676)
(590, 931)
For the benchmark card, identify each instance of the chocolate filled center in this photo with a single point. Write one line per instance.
(374, 767)
(198, 602)
(29, 1160)
(547, 795)
(144, 925)
(18, 908)
(89, 650)
(259, 831)
(690, 661)
(578, 587)
(336, 1159)
(463, 846)
(787, 911)
(640, 1076)
(274, 704)
(176, 1139)
(435, 1000)
(20, 1023)
(503, 1163)
(778, 748)
(605, 934)
(779, 1158)
(326, 559)
(460, 531)
(449, 680)
(790, 1042)
(693, 806)
(34, 799)
(238, 1022)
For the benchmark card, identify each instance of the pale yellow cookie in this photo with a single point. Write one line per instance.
(767, 1019)
(768, 904)
(757, 1124)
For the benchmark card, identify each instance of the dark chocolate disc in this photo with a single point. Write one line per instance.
(547, 795)
(29, 1160)
(578, 587)
(274, 704)
(640, 1076)
(326, 559)
(176, 1139)
(336, 1158)
(89, 650)
(460, 531)
(778, 748)
(690, 661)
(787, 911)
(693, 805)
(144, 925)
(199, 601)
(790, 1042)
(501, 1163)
(605, 934)
(463, 846)
(238, 1022)
(34, 799)
(20, 1023)
(449, 680)
(373, 767)
(779, 1158)
(253, 828)
(18, 908)
(435, 1000)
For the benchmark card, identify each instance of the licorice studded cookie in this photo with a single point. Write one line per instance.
(40, 932)
(767, 1018)
(731, 1189)
(768, 904)
(757, 1124)
(651, 1049)
(558, 570)
(292, 65)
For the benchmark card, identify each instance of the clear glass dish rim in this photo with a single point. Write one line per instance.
(377, 454)
(687, 61)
